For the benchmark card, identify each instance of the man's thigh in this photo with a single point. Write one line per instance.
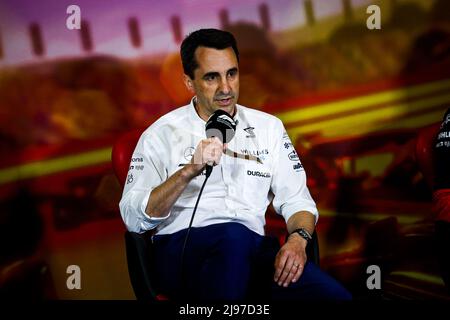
(225, 271)
(216, 262)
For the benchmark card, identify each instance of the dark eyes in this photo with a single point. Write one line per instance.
(210, 77)
(232, 73)
(213, 77)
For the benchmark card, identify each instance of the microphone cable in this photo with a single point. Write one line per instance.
(182, 269)
(221, 125)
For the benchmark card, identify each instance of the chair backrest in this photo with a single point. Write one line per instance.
(425, 152)
(138, 246)
(122, 151)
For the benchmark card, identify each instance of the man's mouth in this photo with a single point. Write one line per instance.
(224, 101)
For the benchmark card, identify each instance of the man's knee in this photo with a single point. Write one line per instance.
(327, 288)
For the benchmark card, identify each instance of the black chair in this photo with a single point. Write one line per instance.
(312, 250)
(140, 260)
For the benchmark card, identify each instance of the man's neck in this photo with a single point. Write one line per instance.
(204, 116)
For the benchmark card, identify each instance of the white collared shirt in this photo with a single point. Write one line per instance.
(238, 190)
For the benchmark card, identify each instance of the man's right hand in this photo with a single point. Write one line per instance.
(208, 151)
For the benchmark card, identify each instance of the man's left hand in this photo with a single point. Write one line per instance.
(290, 260)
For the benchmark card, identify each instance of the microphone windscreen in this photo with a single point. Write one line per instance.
(221, 125)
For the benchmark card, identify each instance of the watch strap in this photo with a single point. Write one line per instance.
(303, 233)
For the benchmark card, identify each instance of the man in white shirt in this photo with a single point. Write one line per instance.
(227, 251)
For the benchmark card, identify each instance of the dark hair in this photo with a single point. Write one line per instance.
(210, 38)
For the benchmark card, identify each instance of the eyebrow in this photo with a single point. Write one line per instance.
(215, 73)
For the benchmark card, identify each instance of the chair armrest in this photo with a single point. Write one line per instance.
(312, 250)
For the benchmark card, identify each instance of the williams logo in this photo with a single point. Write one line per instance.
(255, 153)
(258, 174)
(250, 132)
(293, 156)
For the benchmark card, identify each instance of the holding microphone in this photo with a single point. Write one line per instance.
(219, 125)
(220, 130)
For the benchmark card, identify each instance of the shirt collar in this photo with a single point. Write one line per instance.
(194, 115)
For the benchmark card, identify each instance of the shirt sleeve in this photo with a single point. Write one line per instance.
(146, 172)
(291, 194)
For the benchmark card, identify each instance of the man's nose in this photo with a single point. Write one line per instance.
(225, 86)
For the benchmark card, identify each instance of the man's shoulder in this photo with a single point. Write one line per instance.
(170, 119)
(260, 116)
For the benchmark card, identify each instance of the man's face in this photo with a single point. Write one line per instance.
(216, 80)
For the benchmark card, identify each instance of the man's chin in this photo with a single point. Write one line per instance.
(227, 108)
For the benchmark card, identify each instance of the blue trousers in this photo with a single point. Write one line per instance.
(228, 261)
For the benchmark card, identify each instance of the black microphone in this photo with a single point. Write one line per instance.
(221, 125)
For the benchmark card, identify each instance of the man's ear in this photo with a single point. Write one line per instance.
(188, 83)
